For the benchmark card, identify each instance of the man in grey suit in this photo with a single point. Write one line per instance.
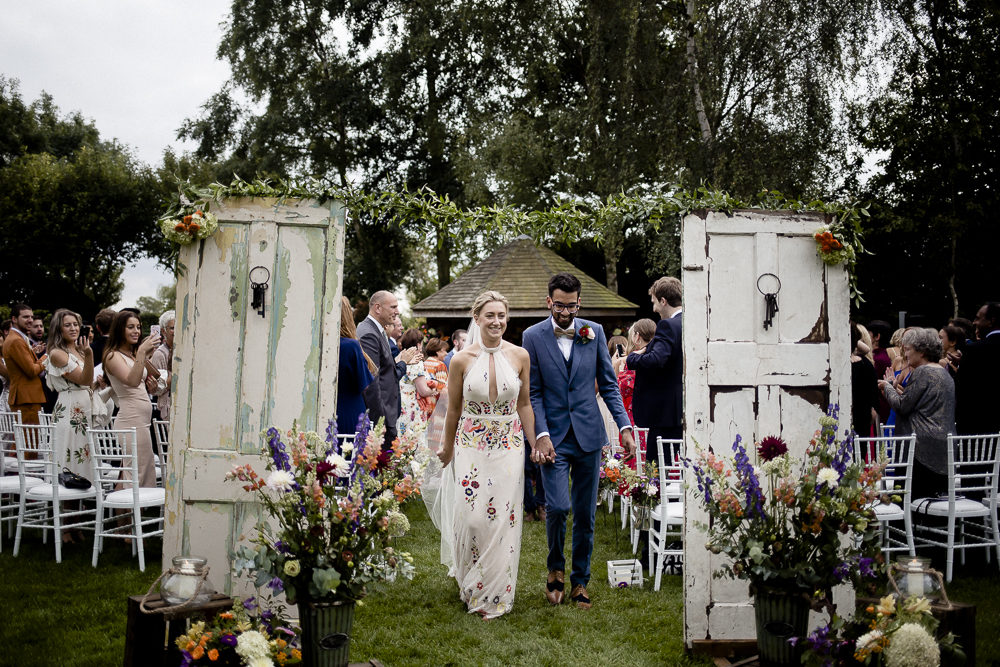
(382, 309)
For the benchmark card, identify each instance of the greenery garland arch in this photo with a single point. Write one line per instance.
(568, 220)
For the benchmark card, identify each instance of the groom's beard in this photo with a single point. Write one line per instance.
(564, 320)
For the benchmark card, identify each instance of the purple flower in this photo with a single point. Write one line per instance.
(228, 640)
(186, 662)
(277, 447)
(281, 548)
(276, 585)
(841, 571)
(250, 603)
(331, 432)
(865, 565)
(748, 480)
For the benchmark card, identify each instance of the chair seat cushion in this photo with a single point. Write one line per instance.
(148, 497)
(12, 483)
(939, 507)
(45, 492)
(675, 510)
(889, 512)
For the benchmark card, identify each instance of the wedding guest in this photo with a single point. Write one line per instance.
(414, 383)
(965, 325)
(926, 408)
(4, 376)
(70, 372)
(978, 375)
(434, 353)
(864, 385)
(639, 335)
(102, 322)
(125, 365)
(880, 333)
(952, 347)
(382, 310)
(458, 338)
(355, 374)
(163, 359)
(37, 334)
(616, 348)
(23, 367)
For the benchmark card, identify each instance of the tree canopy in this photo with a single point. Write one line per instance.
(73, 209)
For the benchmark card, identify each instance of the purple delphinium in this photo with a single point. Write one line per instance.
(748, 479)
(841, 571)
(282, 548)
(865, 565)
(702, 478)
(250, 604)
(186, 659)
(823, 643)
(277, 447)
(276, 585)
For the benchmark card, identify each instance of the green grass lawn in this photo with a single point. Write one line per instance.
(70, 614)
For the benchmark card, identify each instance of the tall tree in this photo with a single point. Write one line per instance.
(937, 123)
(72, 217)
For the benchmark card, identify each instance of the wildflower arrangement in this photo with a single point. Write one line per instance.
(641, 486)
(832, 248)
(236, 638)
(335, 511)
(804, 526)
(896, 632)
(610, 477)
(189, 228)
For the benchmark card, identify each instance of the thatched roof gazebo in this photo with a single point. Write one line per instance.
(520, 271)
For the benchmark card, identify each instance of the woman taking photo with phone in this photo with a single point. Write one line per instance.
(125, 366)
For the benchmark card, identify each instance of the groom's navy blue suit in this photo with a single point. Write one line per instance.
(565, 406)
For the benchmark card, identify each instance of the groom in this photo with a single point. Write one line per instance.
(568, 356)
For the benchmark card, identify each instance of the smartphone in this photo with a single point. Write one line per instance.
(85, 332)
(621, 350)
(154, 330)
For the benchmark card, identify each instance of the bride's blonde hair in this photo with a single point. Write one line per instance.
(489, 296)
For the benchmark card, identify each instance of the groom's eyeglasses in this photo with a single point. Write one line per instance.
(565, 307)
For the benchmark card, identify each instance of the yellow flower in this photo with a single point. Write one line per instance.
(886, 606)
(916, 605)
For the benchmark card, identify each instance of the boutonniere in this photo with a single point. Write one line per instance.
(585, 334)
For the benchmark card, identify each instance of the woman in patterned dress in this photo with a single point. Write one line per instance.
(69, 370)
(489, 417)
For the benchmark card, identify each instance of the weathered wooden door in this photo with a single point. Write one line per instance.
(236, 372)
(743, 378)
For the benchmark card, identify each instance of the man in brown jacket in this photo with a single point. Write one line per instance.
(26, 393)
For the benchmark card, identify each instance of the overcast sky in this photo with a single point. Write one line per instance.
(136, 68)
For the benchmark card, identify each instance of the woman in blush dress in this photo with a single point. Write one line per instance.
(354, 375)
(489, 417)
(125, 365)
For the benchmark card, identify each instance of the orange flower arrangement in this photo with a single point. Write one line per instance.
(831, 247)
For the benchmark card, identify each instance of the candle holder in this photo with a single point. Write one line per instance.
(916, 577)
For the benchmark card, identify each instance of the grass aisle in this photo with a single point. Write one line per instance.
(73, 615)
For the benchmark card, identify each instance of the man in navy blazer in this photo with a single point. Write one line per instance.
(383, 398)
(657, 400)
(976, 383)
(568, 357)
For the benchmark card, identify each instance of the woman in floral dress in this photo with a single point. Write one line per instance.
(412, 386)
(69, 370)
(490, 413)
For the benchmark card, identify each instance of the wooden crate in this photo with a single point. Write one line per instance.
(149, 638)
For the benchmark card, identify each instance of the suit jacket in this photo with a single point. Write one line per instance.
(976, 388)
(24, 370)
(562, 397)
(384, 400)
(657, 400)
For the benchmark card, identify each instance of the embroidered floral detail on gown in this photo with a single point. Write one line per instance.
(489, 470)
(71, 417)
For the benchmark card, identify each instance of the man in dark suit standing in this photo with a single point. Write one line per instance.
(976, 382)
(657, 401)
(383, 400)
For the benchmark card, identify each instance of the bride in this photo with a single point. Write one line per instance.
(491, 413)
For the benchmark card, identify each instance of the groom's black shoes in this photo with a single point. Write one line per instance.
(554, 586)
(580, 597)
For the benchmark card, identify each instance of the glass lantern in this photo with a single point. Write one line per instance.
(913, 576)
(182, 585)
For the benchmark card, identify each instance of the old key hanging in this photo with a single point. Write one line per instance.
(258, 287)
(770, 297)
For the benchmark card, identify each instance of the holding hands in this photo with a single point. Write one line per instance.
(543, 452)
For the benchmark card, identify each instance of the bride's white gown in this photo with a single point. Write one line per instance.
(487, 494)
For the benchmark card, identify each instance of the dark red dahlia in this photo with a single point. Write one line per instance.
(771, 447)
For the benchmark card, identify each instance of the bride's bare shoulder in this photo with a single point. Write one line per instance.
(518, 352)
